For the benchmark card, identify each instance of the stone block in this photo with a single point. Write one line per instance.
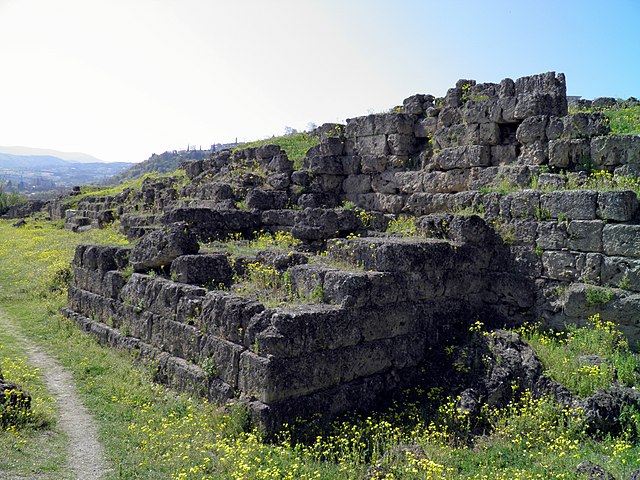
(357, 184)
(282, 218)
(400, 144)
(503, 154)
(462, 157)
(326, 165)
(213, 269)
(585, 125)
(160, 248)
(453, 136)
(617, 206)
(621, 240)
(555, 128)
(409, 182)
(360, 126)
(259, 199)
(585, 235)
(385, 182)
(524, 204)
(614, 150)
(532, 129)
(351, 165)
(446, 182)
(569, 153)
(228, 316)
(372, 145)
(488, 134)
(393, 123)
(621, 272)
(324, 184)
(279, 181)
(571, 267)
(373, 164)
(573, 204)
(425, 127)
(552, 235)
(535, 153)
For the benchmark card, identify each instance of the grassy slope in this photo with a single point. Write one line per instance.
(295, 145)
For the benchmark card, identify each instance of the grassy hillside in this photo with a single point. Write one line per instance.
(151, 432)
(164, 163)
(295, 145)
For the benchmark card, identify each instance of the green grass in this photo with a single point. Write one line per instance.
(624, 121)
(150, 432)
(565, 354)
(295, 145)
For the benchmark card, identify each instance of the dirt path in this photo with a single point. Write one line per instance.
(85, 455)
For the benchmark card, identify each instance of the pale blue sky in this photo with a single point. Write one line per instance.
(121, 79)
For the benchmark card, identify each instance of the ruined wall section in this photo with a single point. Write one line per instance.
(364, 340)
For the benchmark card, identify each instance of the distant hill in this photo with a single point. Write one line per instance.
(36, 174)
(39, 152)
(163, 163)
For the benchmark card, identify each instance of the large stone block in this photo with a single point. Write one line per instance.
(211, 269)
(326, 165)
(585, 235)
(385, 182)
(503, 154)
(621, 272)
(425, 127)
(621, 240)
(532, 129)
(446, 182)
(228, 316)
(571, 266)
(573, 205)
(357, 184)
(462, 157)
(585, 125)
(259, 199)
(569, 153)
(400, 144)
(614, 150)
(160, 248)
(372, 145)
(552, 235)
(617, 206)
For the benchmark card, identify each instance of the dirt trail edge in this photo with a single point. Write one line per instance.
(85, 453)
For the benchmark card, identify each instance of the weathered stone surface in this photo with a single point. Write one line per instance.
(617, 206)
(621, 272)
(372, 145)
(258, 199)
(357, 184)
(621, 240)
(585, 125)
(462, 157)
(213, 269)
(574, 205)
(572, 267)
(160, 248)
(614, 150)
(532, 129)
(585, 235)
(503, 154)
(569, 153)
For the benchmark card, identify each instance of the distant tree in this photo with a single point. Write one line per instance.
(289, 130)
(311, 126)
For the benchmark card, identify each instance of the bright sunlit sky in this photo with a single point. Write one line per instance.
(122, 79)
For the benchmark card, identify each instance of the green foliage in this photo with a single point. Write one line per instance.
(8, 199)
(210, 367)
(598, 295)
(624, 121)
(295, 145)
(565, 356)
(403, 225)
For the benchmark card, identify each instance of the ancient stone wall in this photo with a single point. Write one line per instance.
(508, 228)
